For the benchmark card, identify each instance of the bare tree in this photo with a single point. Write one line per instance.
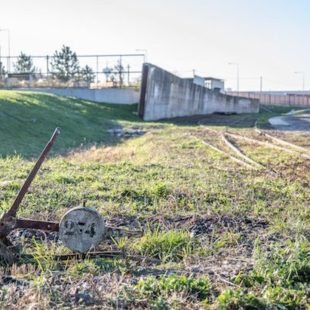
(119, 68)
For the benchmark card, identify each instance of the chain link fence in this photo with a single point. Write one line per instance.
(114, 70)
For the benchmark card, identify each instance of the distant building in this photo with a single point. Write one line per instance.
(214, 84)
(209, 82)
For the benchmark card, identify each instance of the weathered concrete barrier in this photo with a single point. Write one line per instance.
(165, 95)
(108, 95)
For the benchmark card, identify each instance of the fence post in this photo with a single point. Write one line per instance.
(47, 67)
(97, 70)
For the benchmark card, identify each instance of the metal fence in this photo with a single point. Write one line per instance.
(299, 99)
(106, 68)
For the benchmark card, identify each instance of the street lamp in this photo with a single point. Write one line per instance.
(145, 53)
(237, 67)
(9, 48)
(0, 65)
(303, 78)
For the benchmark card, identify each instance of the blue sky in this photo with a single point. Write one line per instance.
(267, 38)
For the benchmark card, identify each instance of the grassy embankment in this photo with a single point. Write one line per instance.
(231, 236)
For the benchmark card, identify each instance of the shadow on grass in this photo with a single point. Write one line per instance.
(232, 120)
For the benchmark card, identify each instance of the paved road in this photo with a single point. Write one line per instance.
(292, 122)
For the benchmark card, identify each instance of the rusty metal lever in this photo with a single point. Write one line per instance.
(8, 221)
(13, 210)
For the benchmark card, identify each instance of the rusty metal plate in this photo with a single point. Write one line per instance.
(81, 229)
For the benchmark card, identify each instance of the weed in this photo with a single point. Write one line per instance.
(121, 243)
(86, 266)
(281, 276)
(44, 256)
(279, 297)
(238, 299)
(165, 245)
(160, 289)
(287, 265)
(227, 239)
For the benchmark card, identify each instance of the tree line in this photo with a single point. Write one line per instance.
(65, 67)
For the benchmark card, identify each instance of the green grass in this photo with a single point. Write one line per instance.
(231, 237)
(166, 246)
(28, 119)
(162, 292)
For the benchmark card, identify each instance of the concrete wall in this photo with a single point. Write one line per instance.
(294, 98)
(199, 80)
(108, 95)
(164, 95)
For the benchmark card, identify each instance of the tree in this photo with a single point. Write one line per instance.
(87, 74)
(24, 64)
(65, 64)
(2, 69)
(120, 71)
(107, 72)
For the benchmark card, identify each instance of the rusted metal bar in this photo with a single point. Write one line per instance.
(13, 210)
(33, 224)
(98, 254)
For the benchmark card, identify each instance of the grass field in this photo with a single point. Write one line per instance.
(222, 234)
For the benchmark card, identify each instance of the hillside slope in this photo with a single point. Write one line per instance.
(27, 120)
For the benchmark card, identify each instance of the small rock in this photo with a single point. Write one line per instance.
(83, 297)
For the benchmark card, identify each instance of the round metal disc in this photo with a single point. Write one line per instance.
(81, 229)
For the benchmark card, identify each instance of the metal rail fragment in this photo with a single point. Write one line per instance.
(267, 144)
(228, 155)
(94, 255)
(280, 141)
(34, 224)
(239, 153)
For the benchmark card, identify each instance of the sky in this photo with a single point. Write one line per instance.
(267, 38)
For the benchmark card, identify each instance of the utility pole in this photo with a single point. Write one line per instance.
(260, 88)
(47, 68)
(128, 72)
(0, 65)
(237, 71)
(145, 53)
(9, 48)
(303, 78)
(120, 72)
(97, 70)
